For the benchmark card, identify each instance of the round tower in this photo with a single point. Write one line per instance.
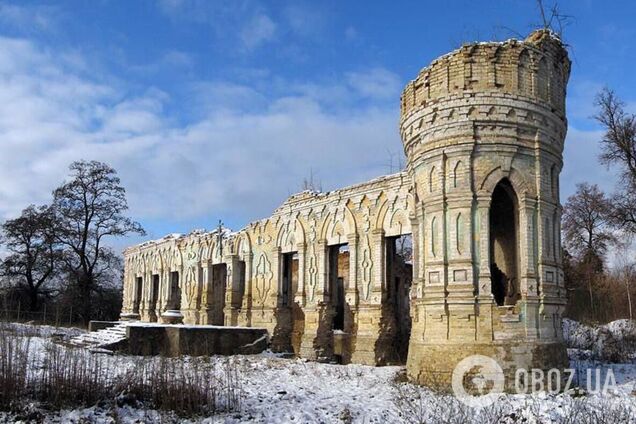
(483, 130)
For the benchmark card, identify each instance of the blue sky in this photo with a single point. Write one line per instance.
(219, 109)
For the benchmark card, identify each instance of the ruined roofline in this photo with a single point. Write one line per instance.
(532, 40)
(228, 233)
(360, 188)
(295, 200)
(536, 69)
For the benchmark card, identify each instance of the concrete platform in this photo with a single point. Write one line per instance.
(196, 340)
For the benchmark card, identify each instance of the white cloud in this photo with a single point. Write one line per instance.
(29, 17)
(305, 19)
(257, 31)
(375, 83)
(244, 21)
(351, 34)
(230, 160)
(581, 164)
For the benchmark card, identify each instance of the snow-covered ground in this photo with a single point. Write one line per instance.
(277, 390)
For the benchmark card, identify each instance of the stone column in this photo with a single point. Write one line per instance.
(379, 292)
(245, 316)
(317, 339)
(205, 309)
(527, 259)
(352, 285)
(481, 231)
(300, 297)
(233, 291)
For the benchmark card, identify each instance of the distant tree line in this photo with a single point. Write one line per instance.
(57, 255)
(595, 223)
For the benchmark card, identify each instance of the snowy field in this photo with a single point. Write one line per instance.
(268, 389)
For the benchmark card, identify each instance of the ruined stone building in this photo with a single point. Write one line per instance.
(456, 255)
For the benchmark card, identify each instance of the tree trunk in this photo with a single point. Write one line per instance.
(589, 287)
(85, 298)
(629, 301)
(33, 300)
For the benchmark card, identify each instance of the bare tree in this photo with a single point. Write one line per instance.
(587, 229)
(32, 253)
(625, 274)
(619, 150)
(89, 209)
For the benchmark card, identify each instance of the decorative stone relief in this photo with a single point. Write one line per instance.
(263, 278)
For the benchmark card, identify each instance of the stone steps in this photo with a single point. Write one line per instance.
(101, 339)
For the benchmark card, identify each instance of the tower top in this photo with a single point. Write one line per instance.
(537, 68)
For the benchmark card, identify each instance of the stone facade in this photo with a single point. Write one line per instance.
(483, 131)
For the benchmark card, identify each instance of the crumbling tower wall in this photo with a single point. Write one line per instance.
(483, 130)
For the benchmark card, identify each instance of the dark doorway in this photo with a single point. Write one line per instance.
(219, 278)
(154, 307)
(241, 282)
(139, 282)
(338, 278)
(503, 244)
(399, 275)
(175, 291)
(289, 282)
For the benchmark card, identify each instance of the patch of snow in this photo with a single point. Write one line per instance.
(278, 390)
(615, 341)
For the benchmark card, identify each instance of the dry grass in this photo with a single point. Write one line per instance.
(62, 377)
(14, 368)
(417, 405)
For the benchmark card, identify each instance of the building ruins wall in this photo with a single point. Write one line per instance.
(483, 129)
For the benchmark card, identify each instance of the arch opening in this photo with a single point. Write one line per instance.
(504, 257)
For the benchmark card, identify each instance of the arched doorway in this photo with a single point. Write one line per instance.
(504, 258)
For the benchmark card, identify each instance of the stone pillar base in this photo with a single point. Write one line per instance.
(281, 337)
(129, 316)
(190, 316)
(368, 347)
(172, 316)
(231, 316)
(432, 365)
(317, 339)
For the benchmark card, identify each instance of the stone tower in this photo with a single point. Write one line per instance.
(483, 130)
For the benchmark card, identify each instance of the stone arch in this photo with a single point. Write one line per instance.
(175, 258)
(140, 265)
(504, 243)
(397, 223)
(205, 250)
(157, 263)
(434, 236)
(542, 79)
(524, 73)
(338, 225)
(432, 180)
(517, 179)
(290, 233)
(243, 245)
(457, 178)
(499, 70)
(556, 84)
(459, 234)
